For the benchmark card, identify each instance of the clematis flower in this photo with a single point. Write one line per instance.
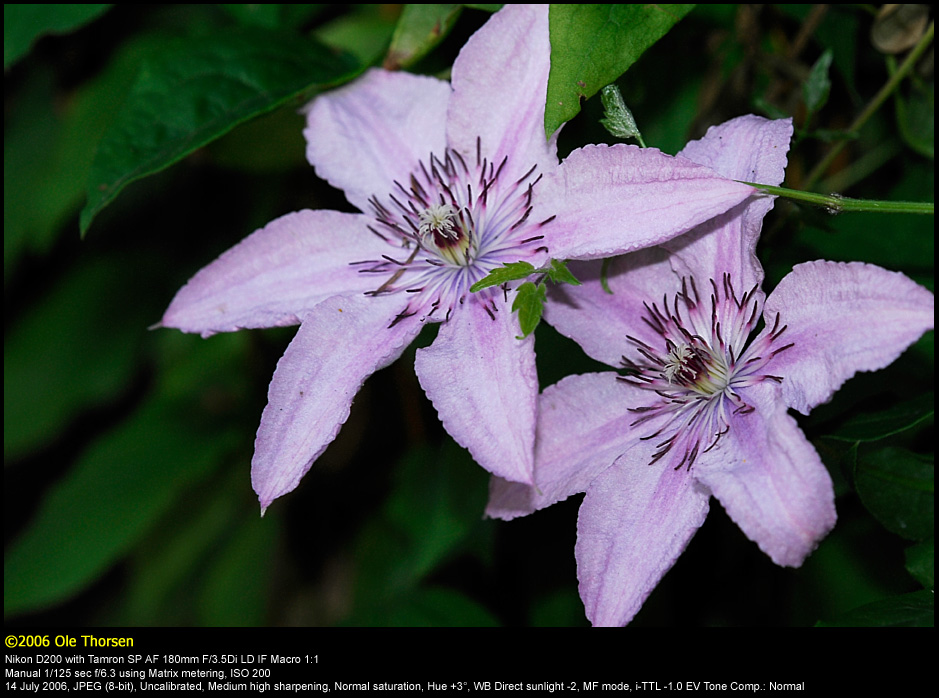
(452, 181)
(701, 407)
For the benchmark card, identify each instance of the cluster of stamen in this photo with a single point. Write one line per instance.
(454, 223)
(704, 361)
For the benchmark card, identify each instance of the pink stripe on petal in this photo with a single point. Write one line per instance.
(615, 199)
(583, 427)
(340, 343)
(482, 381)
(750, 149)
(770, 480)
(842, 318)
(634, 523)
(599, 321)
(364, 136)
(500, 82)
(278, 272)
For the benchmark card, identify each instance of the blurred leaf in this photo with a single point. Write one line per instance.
(433, 607)
(562, 608)
(68, 353)
(897, 487)
(844, 575)
(916, 116)
(592, 45)
(828, 135)
(273, 15)
(817, 86)
(270, 143)
(879, 425)
(168, 563)
(892, 241)
(365, 32)
(198, 90)
(44, 187)
(436, 501)
(529, 304)
(24, 23)
(235, 592)
(419, 29)
(838, 32)
(921, 562)
(119, 488)
(913, 610)
(29, 202)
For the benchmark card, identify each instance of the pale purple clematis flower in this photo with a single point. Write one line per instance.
(701, 406)
(453, 180)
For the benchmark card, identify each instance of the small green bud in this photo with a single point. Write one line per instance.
(619, 120)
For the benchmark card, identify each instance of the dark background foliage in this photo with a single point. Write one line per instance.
(126, 485)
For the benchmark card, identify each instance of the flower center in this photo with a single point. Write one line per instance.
(455, 222)
(439, 231)
(698, 371)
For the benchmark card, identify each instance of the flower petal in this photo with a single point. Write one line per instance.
(363, 137)
(842, 318)
(751, 149)
(483, 382)
(634, 523)
(615, 199)
(500, 82)
(770, 480)
(313, 386)
(273, 275)
(583, 427)
(599, 321)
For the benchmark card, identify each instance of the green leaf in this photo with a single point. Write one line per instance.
(67, 353)
(604, 273)
(24, 23)
(432, 607)
(618, 120)
(419, 29)
(592, 45)
(916, 116)
(118, 489)
(165, 566)
(921, 562)
(123, 484)
(913, 610)
(529, 303)
(560, 274)
(897, 487)
(48, 187)
(511, 271)
(273, 15)
(895, 242)
(199, 89)
(879, 425)
(404, 543)
(817, 86)
(236, 587)
(365, 32)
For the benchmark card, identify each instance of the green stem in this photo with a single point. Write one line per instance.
(838, 204)
(875, 103)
